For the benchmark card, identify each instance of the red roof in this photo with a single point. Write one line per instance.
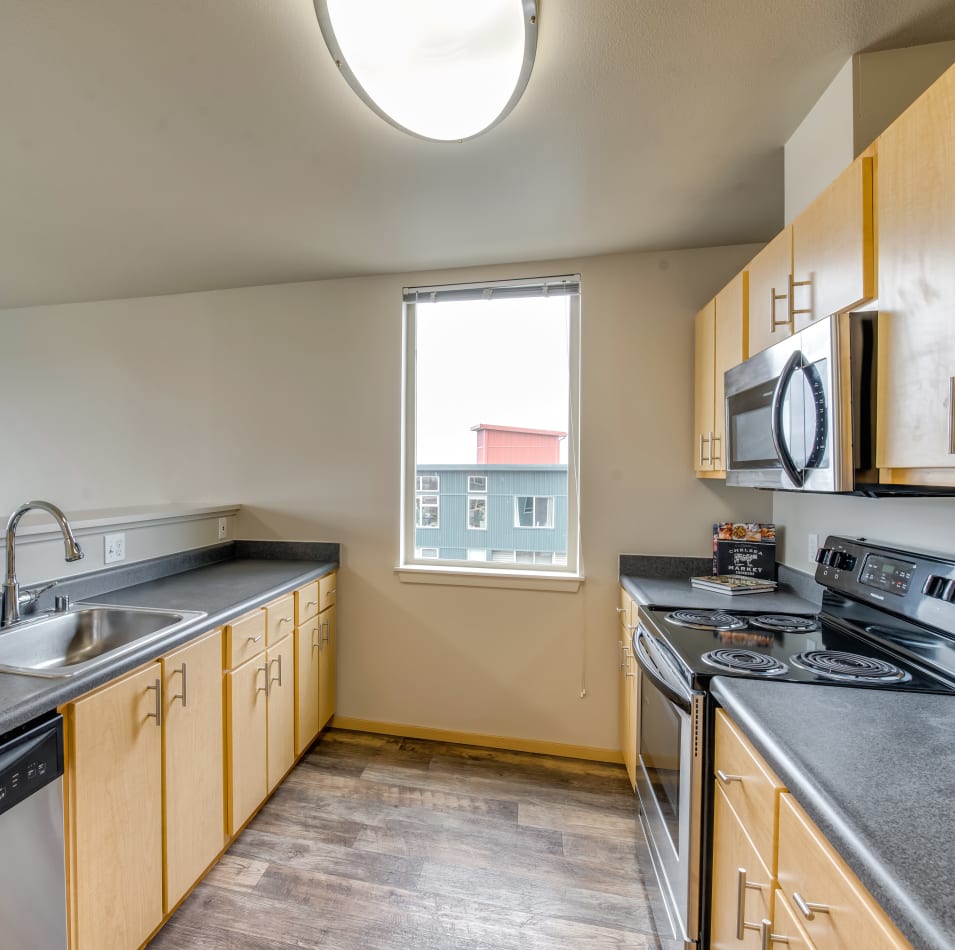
(484, 425)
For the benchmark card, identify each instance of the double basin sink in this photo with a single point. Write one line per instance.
(87, 635)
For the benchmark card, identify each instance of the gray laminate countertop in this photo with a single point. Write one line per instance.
(678, 592)
(221, 590)
(876, 772)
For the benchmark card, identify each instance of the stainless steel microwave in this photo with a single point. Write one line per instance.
(800, 415)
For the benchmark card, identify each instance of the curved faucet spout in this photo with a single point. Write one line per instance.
(11, 589)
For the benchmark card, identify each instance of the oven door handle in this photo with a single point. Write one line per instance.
(677, 696)
(793, 365)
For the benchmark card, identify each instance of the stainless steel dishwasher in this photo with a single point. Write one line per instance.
(33, 870)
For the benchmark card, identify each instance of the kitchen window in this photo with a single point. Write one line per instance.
(492, 446)
(532, 512)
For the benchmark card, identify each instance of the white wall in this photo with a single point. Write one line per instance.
(821, 147)
(287, 400)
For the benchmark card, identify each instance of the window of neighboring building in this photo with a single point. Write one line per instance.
(477, 512)
(533, 511)
(477, 554)
(426, 511)
(429, 553)
(474, 449)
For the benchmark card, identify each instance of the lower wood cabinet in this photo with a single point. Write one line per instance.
(307, 646)
(247, 781)
(134, 746)
(327, 662)
(280, 711)
(776, 879)
(628, 699)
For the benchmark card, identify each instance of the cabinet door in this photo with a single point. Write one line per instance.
(833, 251)
(787, 931)
(326, 667)
(917, 287)
(736, 867)
(194, 765)
(246, 722)
(769, 274)
(281, 710)
(732, 309)
(704, 363)
(307, 642)
(115, 795)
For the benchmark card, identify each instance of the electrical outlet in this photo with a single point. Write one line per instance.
(223, 529)
(114, 547)
(813, 546)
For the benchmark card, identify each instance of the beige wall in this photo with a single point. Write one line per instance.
(287, 400)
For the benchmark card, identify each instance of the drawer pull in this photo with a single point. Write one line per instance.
(807, 909)
(766, 936)
(741, 885)
(283, 620)
(254, 639)
(726, 779)
(621, 610)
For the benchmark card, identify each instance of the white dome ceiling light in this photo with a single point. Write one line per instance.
(444, 70)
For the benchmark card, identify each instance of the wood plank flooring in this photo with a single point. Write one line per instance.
(380, 843)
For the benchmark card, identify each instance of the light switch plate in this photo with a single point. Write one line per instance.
(223, 529)
(114, 547)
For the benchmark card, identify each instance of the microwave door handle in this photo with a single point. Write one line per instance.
(793, 365)
(652, 673)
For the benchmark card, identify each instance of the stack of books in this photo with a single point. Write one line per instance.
(745, 549)
(733, 584)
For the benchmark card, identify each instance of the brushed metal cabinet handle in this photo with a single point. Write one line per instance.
(282, 620)
(726, 779)
(327, 625)
(766, 936)
(807, 908)
(316, 644)
(793, 284)
(263, 689)
(741, 885)
(185, 685)
(254, 639)
(714, 458)
(157, 715)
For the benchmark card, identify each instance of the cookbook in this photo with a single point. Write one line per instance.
(745, 549)
(732, 584)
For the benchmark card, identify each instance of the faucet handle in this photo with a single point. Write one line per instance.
(32, 595)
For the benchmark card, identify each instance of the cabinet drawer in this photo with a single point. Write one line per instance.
(736, 864)
(787, 927)
(841, 911)
(327, 588)
(751, 788)
(626, 611)
(280, 618)
(244, 638)
(306, 602)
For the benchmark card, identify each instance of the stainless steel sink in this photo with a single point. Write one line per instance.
(65, 644)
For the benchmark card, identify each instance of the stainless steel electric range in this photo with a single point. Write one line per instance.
(887, 622)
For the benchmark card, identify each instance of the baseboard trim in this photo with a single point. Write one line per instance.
(540, 746)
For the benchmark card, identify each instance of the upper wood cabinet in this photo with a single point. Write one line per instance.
(916, 166)
(823, 263)
(770, 272)
(833, 248)
(720, 345)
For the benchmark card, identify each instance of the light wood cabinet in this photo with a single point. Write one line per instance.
(793, 879)
(307, 644)
(833, 248)
(327, 667)
(280, 710)
(916, 171)
(628, 704)
(770, 272)
(279, 619)
(247, 725)
(306, 602)
(114, 808)
(193, 775)
(737, 870)
(245, 637)
(720, 345)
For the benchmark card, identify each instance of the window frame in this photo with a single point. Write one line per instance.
(407, 562)
(467, 514)
(551, 511)
(419, 508)
(477, 491)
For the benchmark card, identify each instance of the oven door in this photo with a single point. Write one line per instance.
(669, 781)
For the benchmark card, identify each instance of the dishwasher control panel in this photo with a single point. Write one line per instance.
(29, 759)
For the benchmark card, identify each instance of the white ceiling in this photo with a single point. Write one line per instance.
(160, 146)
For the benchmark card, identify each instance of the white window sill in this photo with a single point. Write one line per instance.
(482, 577)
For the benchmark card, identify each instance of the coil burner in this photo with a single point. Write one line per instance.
(783, 623)
(705, 620)
(849, 667)
(745, 661)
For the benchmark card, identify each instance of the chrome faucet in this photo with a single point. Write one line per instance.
(13, 600)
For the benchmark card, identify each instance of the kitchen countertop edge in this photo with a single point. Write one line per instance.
(800, 774)
(49, 693)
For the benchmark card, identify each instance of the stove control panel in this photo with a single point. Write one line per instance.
(909, 583)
